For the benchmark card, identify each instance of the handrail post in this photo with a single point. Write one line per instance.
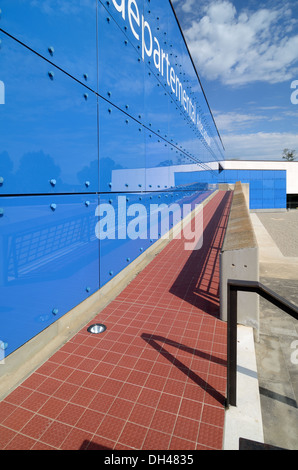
(233, 286)
(232, 347)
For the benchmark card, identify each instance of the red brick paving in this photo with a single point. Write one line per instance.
(156, 379)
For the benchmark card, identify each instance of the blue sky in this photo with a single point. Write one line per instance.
(246, 54)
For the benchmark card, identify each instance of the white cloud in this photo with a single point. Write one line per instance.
(239, 47)
(227, 122)
(259, 146)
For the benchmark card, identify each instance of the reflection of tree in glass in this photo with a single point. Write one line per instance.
(166, 163)
(35, 172)
(6, 167)
(90, 173)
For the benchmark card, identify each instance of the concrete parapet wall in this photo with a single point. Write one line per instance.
(239, 259)
(231, 187)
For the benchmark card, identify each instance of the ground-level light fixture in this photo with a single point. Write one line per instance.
(96, 329)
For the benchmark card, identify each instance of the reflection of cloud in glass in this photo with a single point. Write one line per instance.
(52, 7)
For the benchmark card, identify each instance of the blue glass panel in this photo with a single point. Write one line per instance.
(254, 184)
(257, 174)
(280, 203)
(159, 161)
(120, 67)
(268, 203)
(268, 194)
(280, 194)
(256, 204)
(49, 261)
(231, 176)
(48, 127)
(122, 151)
(268, 174)
(257, 184)
(62, 32)
(244, 175)
(258, 194)
(268, 183)
(280, 183)
(156, 106)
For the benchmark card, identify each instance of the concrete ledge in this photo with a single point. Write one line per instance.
(22, 362)
(245, 419)
(231, 187)
(239, 259)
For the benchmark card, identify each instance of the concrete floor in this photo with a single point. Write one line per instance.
(277, 348)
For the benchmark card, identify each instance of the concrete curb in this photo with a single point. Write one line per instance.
(244, 420)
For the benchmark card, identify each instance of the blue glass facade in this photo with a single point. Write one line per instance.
(267, 188)
(101, 102)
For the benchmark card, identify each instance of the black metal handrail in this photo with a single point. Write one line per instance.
(246, 286)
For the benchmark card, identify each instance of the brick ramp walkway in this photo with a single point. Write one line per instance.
(155, 380)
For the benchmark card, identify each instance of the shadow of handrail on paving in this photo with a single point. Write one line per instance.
(191, 284)
(152, 340)
(91, 445)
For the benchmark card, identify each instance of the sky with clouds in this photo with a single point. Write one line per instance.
(246, 54)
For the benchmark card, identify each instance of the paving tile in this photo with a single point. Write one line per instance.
(170, 403)
(49, 386)
(34, 380)
(163, 421)
(90, 420)
(70, 414)
(141, 414)
(83, 396)
(178, 443)
(20, 442)
(186, 428)
(52, 408)
(100, 443)
(36, 427)
(129, 391)
(35, 401)
(18, 419)
(133, 435)
(77, 439)
(56, 434)
(66, 391)
(6, 435)
(211, 436)
(6, 409)
(191, 409)
(77, 377)
(156, 440)
(111, 428)
(62, 372)
(121, 408)
(18, 396)
(101, 402)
